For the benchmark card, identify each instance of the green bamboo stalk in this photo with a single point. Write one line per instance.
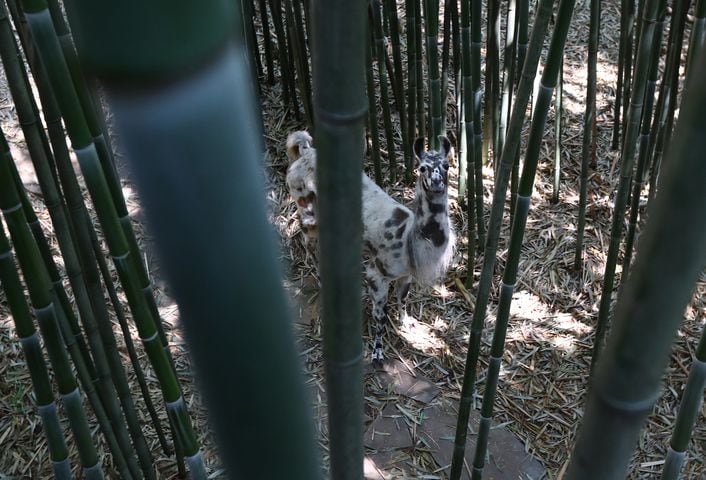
(250, 40)
(630, 373)
(588, 145)
(267, 42)
(373, 113)
(456, 41)
(421, 117)
(375, 8)
(301, 64)
(631, 37)
(643, 146)
(32, 349)
(431, 28)
(445, 59)
(543, 13)
(288, 93)
(460, 135)
(492, 82)
(108, 367)
(99, 189)
(622, 49)
(217, 122)
(687, 414)
(83, 228)
(666, 103)
(94, 123)
(390, 8)
(522, 40)
(339, 114)
(547, 84)
(412, 45)
(37, 281)
(468, 136)
(477, 156)
(627, 160)
(557, 136)
(509, 57)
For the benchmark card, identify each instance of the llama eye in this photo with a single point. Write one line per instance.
(445, 166)
(423, 169)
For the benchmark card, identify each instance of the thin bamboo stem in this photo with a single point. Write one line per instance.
(524, 90)
(627, 160)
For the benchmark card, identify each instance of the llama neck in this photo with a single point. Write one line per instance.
(431, 217)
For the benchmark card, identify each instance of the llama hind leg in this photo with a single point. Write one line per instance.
(378, 286)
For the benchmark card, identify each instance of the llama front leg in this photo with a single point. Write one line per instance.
(378, 286)
(402, 291)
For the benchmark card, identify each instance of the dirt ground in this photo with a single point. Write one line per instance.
(550, 336)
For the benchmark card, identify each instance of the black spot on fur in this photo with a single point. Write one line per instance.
(372, 286)
(396, 246)
(397, 255)
(437, 207)
(400, 231)
(433, 231)
(420, 210)
(381, 267)
(388, 235)
(398, 216)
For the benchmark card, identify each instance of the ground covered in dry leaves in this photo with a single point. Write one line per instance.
(546, 363)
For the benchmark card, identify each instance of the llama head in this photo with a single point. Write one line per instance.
(433, 166)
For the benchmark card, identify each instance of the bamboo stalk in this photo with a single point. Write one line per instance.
(421, 117)
(588, 145)
(431, 28)
(627, 160)
(477, 155)
(492, 82)
(630, 373)
(267, 42)
(32, 349)
(548, 82)
(622, 48)
(119, 245)
(666, 103)
(107, 360)
(557, 135)
(37, 281)
(524, 90)
(449, 5)
(216, 122)
(509, 57)
(412, 45)
(643, 146)
(468, 136)
(301, 64)
(339, 114)
(373, 113)
(688, 413)
(375, 8)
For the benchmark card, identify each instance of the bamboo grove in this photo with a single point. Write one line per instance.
(388, 71)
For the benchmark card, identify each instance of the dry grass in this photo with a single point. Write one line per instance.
(550, 335)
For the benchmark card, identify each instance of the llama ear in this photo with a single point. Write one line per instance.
(418, 147)
(445, 145)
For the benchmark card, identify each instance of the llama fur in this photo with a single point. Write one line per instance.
(399, 244)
